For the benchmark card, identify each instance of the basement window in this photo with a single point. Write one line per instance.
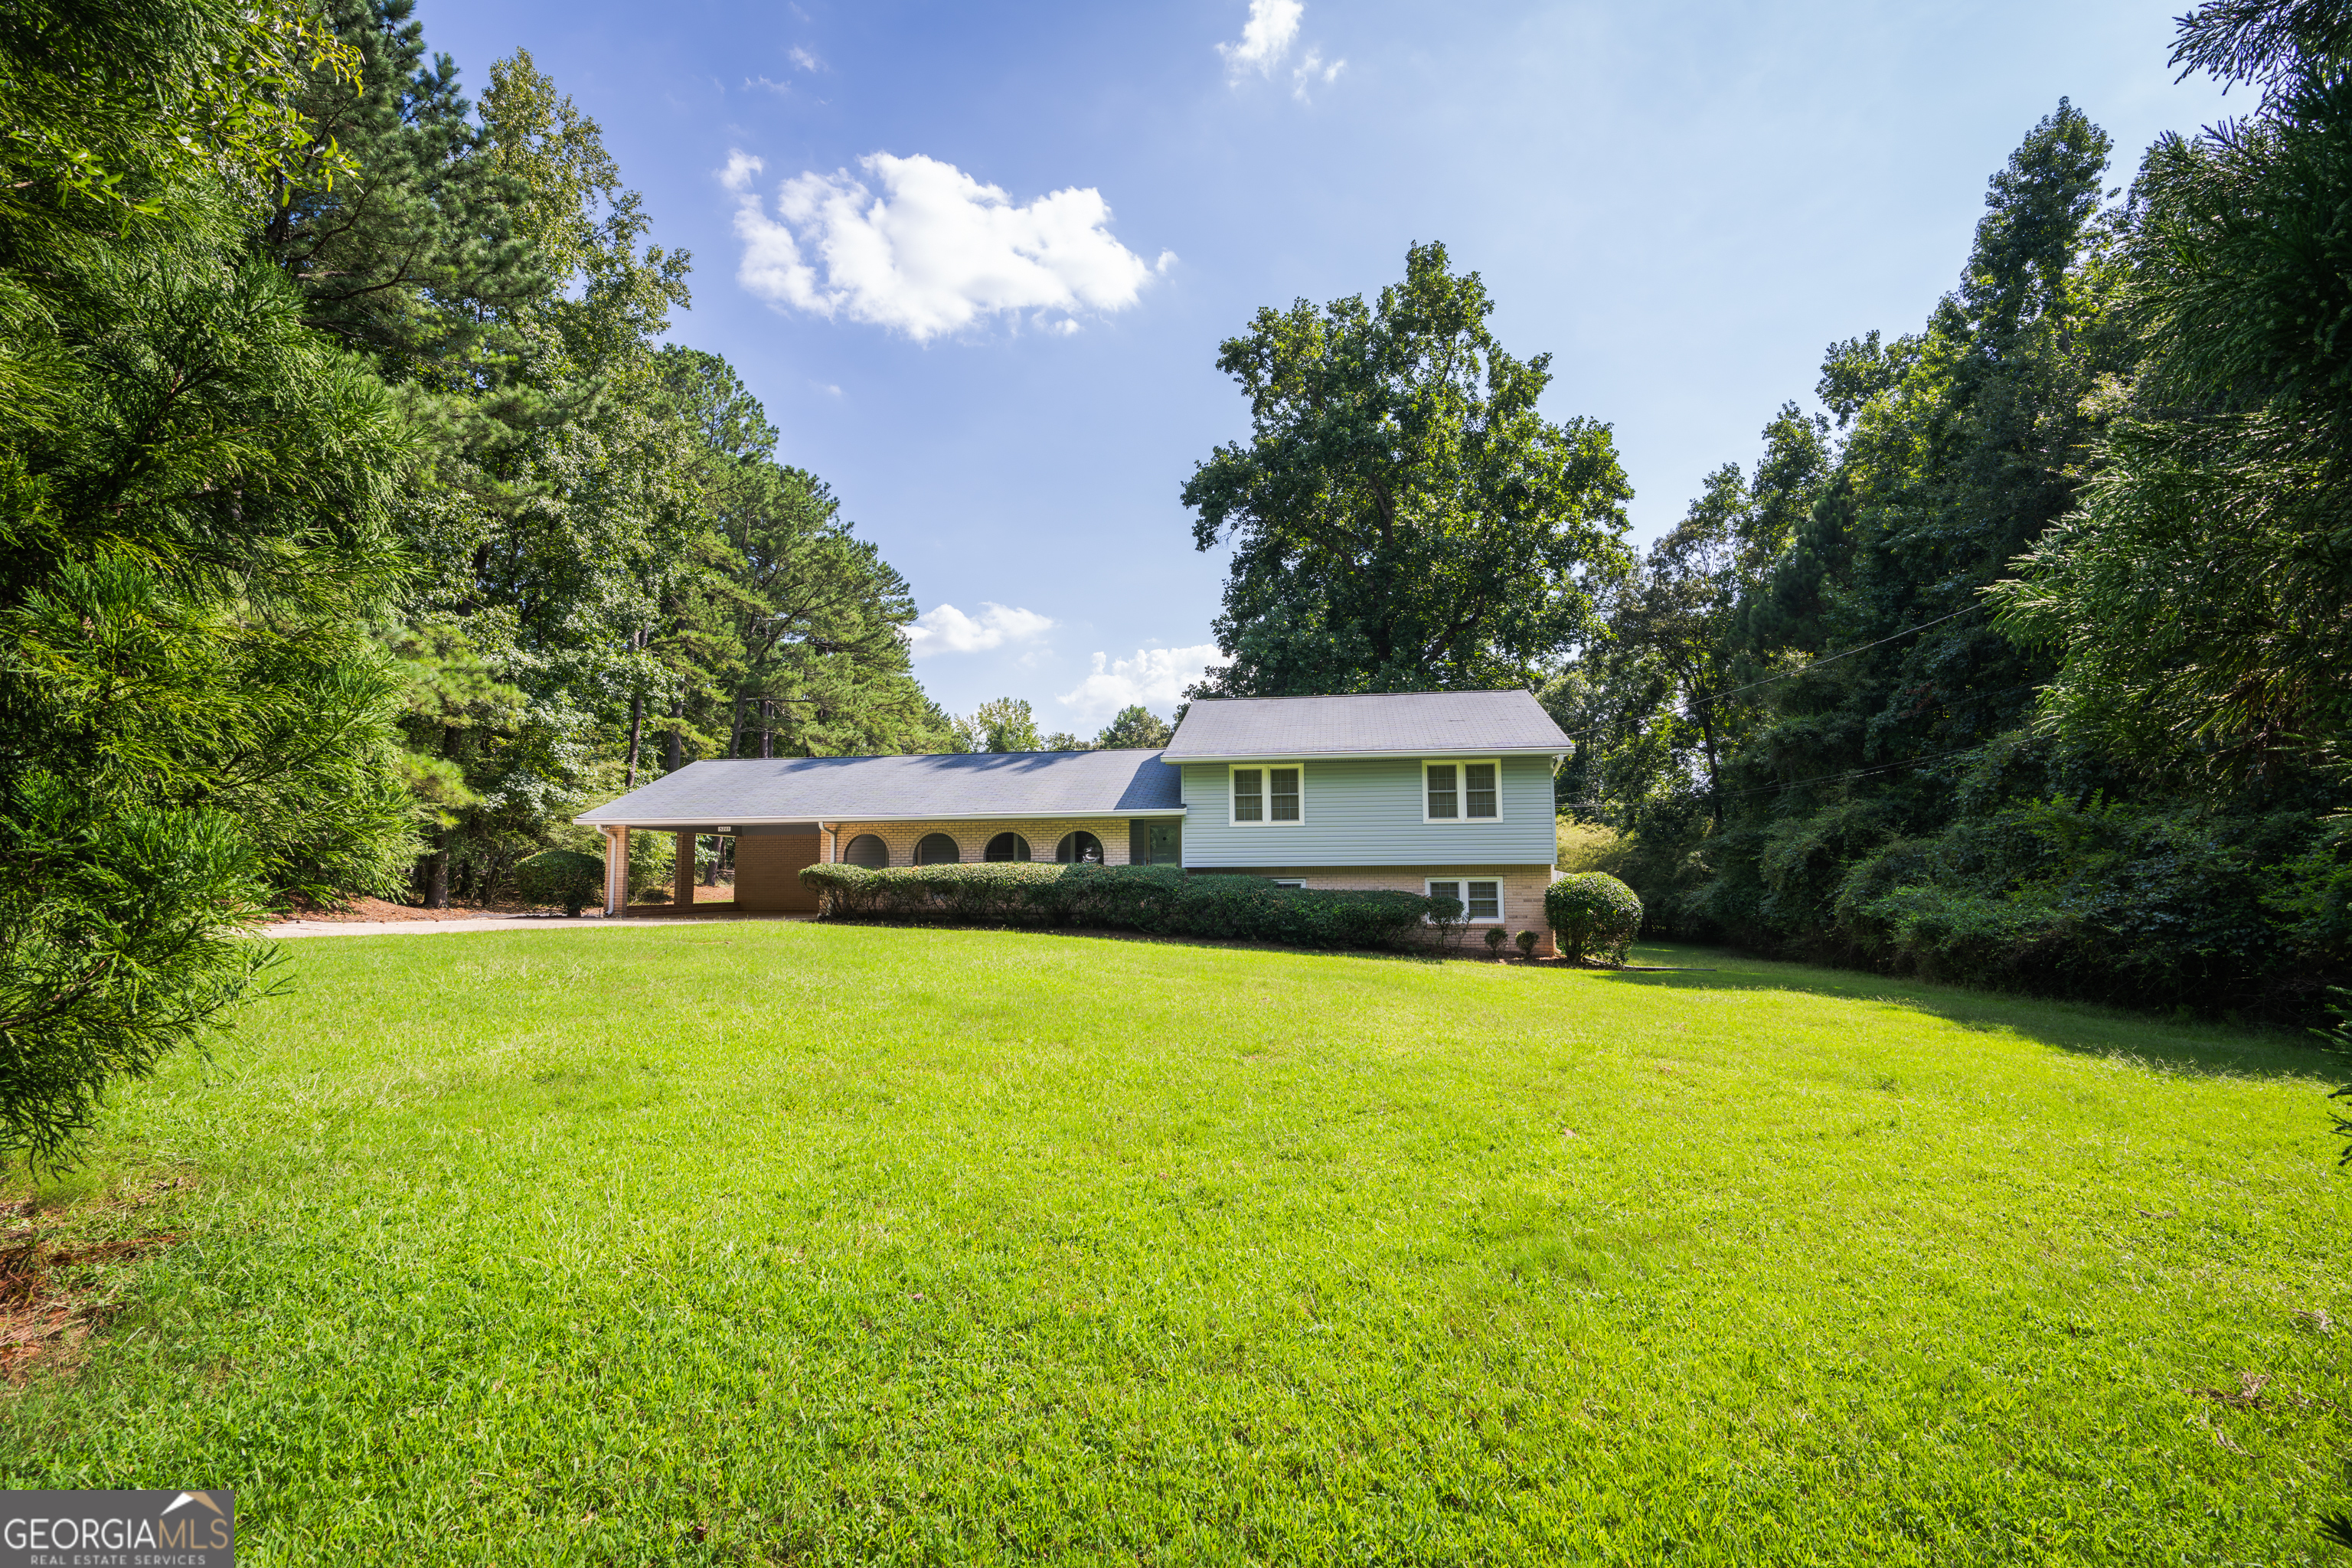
(1481, 897)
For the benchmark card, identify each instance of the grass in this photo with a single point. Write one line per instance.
(780, 1242)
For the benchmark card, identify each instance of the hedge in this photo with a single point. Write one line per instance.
(1594, 915)
(562, 877)
(1157, 899)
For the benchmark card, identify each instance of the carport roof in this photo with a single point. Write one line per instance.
(729, 792)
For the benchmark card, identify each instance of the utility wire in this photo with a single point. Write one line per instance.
(1842, 653)
(1810, 668)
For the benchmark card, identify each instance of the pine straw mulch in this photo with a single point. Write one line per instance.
(54, 1287)
(360, 908)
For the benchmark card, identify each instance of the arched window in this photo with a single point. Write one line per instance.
(1007, 846)
(1079, 848)
(937, 849)
(868, 851)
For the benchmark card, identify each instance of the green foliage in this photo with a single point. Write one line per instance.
(2193, 600)
(562, 877)
(1527, 942)
(1589, 846)
(413, 254)
(193, 536)
(1136, 727)
(119, 942)
(1002, 724)
(1157, 899)
(145, 110)
(1496, 939)
(1594, 916)
(1853, 762)
(1403, 518)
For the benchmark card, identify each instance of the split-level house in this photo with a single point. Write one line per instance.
(1427, 792)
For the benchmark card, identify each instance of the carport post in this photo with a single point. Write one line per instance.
(616, 869)
(684, 891)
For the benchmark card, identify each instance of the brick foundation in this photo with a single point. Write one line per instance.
(1523, 891)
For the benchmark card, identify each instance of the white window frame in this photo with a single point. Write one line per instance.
(1501, 917)
(1265, 794)
(1462, 766)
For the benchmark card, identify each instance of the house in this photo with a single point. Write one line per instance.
(1427, 792)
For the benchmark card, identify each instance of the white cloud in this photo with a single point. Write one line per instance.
(933, 252)
(1155, 676)
(741, 166)
(947, 629)
(1312, 70)
(760, 81)
(1265, 37)
(802, 58)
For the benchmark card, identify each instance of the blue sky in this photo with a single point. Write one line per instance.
(977, 260)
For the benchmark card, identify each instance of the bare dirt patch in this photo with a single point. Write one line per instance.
(55, 1283)
(360, 909)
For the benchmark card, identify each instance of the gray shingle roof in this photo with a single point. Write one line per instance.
(996, 784)
(1392, 723)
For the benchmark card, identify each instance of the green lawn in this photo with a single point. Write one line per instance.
(780, 1242)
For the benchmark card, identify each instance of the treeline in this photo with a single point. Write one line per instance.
(2030, 662)
(354, 528)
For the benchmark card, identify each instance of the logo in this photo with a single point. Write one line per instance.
(118, 1530)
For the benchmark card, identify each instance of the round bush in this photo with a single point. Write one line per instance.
(1594, 916)
(562, 877)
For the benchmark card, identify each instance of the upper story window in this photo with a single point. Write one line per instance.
(1460, 792)
(1268, 793)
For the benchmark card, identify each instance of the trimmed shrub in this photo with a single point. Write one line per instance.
(1594, 916)
(1495, 938)
(1161, 899)
(1526, 940)
(562, 877)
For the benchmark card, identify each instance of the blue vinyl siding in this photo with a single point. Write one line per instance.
(1368, 813)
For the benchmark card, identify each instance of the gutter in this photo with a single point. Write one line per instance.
(1432, 754)
(654, 821)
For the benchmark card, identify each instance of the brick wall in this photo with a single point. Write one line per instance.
(1523, 893)
(971, 838)
(768, 870)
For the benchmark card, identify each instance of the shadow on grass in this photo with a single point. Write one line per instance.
(2184, 1043)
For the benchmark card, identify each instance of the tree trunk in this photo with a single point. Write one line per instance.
(437, 873)
(637, 711)
(735, 729)
(767, 729)
(636, 730)
(677, 737)
(1713, 770)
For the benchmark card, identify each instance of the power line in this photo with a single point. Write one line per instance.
(1810, 668)
(1832, 658)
